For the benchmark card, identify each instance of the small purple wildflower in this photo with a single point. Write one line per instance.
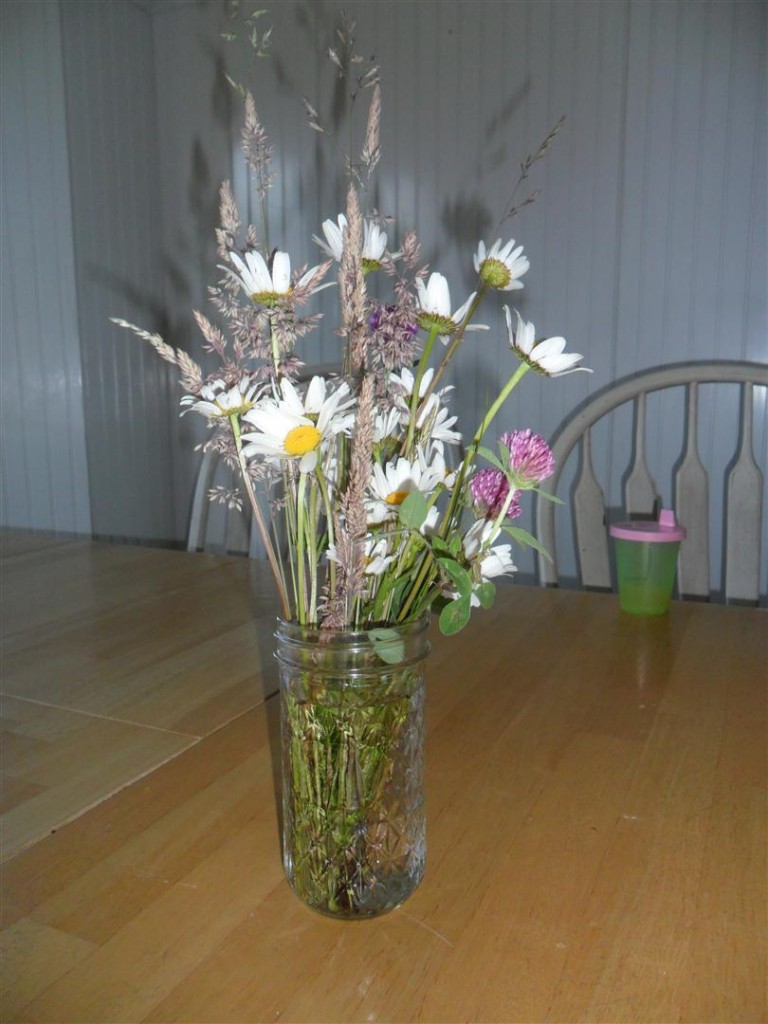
(530, 457)
(489, 489)
(381, 313)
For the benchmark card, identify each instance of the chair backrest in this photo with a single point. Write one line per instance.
(744, 486)
(214, 527)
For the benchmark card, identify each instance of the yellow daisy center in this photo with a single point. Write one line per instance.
(435, 321)
(302, 439)
(495, 273)
(396, 497)
(269, 299)
(235, 410)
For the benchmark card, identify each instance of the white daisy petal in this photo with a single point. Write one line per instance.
(546, 356)
(289, 426)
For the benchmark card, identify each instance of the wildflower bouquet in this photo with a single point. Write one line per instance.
(371, 508)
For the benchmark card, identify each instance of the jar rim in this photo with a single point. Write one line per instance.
(398, 647)
(289, 629)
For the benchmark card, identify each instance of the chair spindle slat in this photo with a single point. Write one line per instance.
(589, 513)
(640, 491)
(692, 509)
(744, 515)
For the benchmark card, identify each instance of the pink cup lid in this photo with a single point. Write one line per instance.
(663, 532)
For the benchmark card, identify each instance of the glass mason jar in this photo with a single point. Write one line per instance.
(352, 717)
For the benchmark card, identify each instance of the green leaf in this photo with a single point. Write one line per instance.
(548, 496)
(388, 644)
(413, 510)
(486, 593)
(457, 575)
(488, 455)
(527, 540)
(439, 546)
(455, 616)
(392, 587)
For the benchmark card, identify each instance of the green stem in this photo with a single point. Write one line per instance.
(469, 458)
(416, 388)
(323, 485)
(275, 347)
(312, 531)
(300, 548)
(456, 340)
(428, 567)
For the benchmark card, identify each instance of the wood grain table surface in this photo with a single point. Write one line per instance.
(596, 806)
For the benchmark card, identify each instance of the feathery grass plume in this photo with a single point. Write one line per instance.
(371, 149)
(214, 339)
(220, 495)
(351, 519)
(257, 149)
(229, 217)
(259, 41)
(313, 118)
(525, 166)
(353, 500)
(191, 376)
(258, 155)
(352, 286)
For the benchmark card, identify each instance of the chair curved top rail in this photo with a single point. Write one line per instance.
(597, 405)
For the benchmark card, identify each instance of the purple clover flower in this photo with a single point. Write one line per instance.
(530, 457)
(489, 489)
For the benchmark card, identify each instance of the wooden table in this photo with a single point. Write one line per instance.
(596, 808)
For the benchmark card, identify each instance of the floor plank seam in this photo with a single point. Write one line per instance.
(103, 718)
(99, 800)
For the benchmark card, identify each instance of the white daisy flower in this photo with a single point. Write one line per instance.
(390, 485)
(546, 356)
(490, 562)
(216, 400)
(434, 419)
(435, 303)
(447, 474)
(292, 427)
(374, 241)
(387, 425)
(268, 286)
(405, 381)
(435, 422)
(502, 266)
(378, 555)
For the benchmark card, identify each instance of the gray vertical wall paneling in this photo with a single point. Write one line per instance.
(45, 482)
(194, 157)
(113, 150)
(646, 245)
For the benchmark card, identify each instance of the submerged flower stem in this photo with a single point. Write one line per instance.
(257, 514)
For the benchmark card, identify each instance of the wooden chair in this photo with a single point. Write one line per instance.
(744, 485)
(214, 527)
